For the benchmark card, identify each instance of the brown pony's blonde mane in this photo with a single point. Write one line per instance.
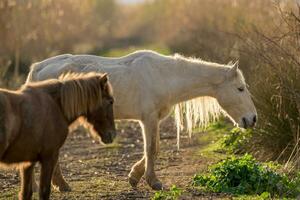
(80, 93)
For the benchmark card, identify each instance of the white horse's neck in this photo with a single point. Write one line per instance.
(186, 79)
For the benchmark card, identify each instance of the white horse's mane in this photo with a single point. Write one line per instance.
(201, 111)
(197, 112)
(178, 56)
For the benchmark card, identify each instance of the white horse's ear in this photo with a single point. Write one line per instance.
(235, 66)
(230, 63)
(232, 72)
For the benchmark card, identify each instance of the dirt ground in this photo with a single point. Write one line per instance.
(96, 171)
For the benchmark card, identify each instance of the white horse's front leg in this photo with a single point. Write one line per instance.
(136, 173)
(150, 129)
(151, 148)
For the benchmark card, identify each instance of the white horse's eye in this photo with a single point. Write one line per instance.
(241, 89)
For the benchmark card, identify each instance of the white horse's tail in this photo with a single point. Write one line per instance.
(194, 113)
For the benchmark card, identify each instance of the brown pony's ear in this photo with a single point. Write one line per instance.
(104, 80)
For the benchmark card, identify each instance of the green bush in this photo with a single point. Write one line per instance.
(245, 175)
(172, 194)
(236, 139)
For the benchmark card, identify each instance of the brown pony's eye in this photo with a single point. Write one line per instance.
(241, 89)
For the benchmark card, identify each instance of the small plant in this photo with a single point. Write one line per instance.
(245, 175)
(220, 124)
(172, 194)
(236, 139)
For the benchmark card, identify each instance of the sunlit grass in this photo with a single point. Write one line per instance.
(211, 140)
(10, 194)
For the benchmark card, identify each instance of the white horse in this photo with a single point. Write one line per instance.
(147, 85)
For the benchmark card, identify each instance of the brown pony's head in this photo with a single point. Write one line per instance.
(89, 95)
(102, 118)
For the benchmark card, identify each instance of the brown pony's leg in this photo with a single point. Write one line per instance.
(58, 181)
(26, 181)
(48, 165)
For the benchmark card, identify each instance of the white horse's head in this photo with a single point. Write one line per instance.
(234, 97)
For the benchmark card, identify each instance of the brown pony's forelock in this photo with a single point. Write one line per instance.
(80, 93)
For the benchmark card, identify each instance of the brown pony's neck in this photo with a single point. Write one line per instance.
(51, 87)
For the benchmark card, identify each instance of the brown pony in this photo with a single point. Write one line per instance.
(34, 122)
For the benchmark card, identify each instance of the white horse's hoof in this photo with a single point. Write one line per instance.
(157, 186)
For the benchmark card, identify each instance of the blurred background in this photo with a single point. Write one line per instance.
(264, 35)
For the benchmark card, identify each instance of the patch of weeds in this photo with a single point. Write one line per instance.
(211, 140)
(245, 175)
(235, 140)
(173, 194)
(219, 126)
(252, 197)
(11, 194)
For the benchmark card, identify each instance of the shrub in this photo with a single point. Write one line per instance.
(275, 84)
(245, 175)
(236, 139)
